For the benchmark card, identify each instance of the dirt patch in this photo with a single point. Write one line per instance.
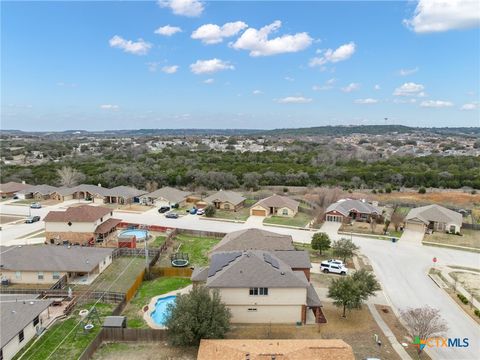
(470, 281)
(401, 334)
(357, 330)
(450, 197)
(4, 219)
(143, 351)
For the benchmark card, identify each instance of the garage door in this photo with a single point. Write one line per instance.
(334, 218)
(259, 212)
(415, 226)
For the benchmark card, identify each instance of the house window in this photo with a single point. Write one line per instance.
(40, 275)
(226, 206)
(56, 275)
(258, 291)
(285, 212)
(21, 336)
(18, 275)
(36, 321)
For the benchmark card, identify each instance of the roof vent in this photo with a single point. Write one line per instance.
(282, 273)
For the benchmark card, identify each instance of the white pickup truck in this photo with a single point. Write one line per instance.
(333, 267)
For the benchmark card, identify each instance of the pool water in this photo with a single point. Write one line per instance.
(158, 315)
(139, 234)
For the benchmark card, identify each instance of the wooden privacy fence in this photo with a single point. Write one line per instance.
(156, 272)
(136, 284)
(122, 335)
(81, 295)
(201, 233)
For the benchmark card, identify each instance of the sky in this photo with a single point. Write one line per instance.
(223, 64)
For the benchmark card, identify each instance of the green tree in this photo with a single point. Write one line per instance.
(320, 242)
(195, 316)
(352, 291)
(344, 248)
(422, 190)
(210, 211)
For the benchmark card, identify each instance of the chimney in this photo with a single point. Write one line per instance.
(99, 185)
(23, 182)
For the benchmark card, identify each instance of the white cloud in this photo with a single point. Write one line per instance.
(294, 100)
(405, 101)
(214, 34)
(406, 72)
(139, 47)
(257, 92)
(258, 43)
(167, 30)
(210, 66)
(342, 53)
(289, 78)
(470, 106)
(209, 81)
(351, 87)
(409, 89)
(327, 86)
(172, 69)
(366, 101)
(436, 104)
(376, 87)
(109, 107)
(444, 15)
(190, 8)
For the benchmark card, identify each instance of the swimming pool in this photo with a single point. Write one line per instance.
(158, 315)
(141, 235)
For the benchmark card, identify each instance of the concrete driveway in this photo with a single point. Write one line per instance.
(331, 229)
(412, 236)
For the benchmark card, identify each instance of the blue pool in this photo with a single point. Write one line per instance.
(141, 235)
(158, 315)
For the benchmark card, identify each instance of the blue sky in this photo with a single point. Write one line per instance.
(116, 65)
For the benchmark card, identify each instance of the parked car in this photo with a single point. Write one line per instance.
(175, 206)
(164, 209)
(193, 211)
(333, 268)
(32, 219)
(334, 261)
(200, 212)
(15, 197)
(36, 206)
(171, 215)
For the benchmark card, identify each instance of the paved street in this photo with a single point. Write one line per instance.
(401, 267)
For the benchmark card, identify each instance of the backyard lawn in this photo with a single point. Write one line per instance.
(157, 242)
(241, 214)
(144, 351)
(196, 247)
(74, 343)
(300, 220)
(150, 288)
(469, 238)
(107, 280)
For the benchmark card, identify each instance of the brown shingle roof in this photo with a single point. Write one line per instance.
(84, 213)
(106, 226)
(225, 196)
(296, 349)
(12, 187)
(278, 201)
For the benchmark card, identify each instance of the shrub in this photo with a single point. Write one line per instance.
(388, 190)
(422, 190)
(463, 299)
(380, 191)
(210, 211)
(477, 312)
(374, 191)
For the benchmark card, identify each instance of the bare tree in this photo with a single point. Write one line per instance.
(151, 186)
(373, 224)
(424, 322)
(70, 177)
(397, 219)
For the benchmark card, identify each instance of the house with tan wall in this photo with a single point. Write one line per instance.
(275, 205)
(225, 200)
(81, 225)
(46, 264)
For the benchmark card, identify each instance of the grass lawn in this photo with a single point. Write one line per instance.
(196, 247)
(469, 238)
(300, 220)
(241, 214)
(357, 330)
(144, 351)
(106, 278)
(365, 228)
(315, 257)
(134, 310)
(158, 242)
(401, 334)
(72, 346)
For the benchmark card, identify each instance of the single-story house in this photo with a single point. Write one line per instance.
(261, 287)
(346, 210)
(254, 239)
(435, 218)
(21, 316)
(225, 200)
(166, 196)
(11, 188)
(81, 225)
(275, 205)
(46, 264)
(38, 192)
(94, 193)
(274, 349)
(123, 195)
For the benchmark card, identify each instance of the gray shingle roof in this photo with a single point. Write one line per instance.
(16, 315)
(255, 269)
(254, 239)
(170, 194)
(344, 207)
(200, 273)
(296, 259)
(278, 201)
(52, 258)
(41, 189)
(312, 297)
(125, 192)
(225, 196)
(435, 213)
(13, 186)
